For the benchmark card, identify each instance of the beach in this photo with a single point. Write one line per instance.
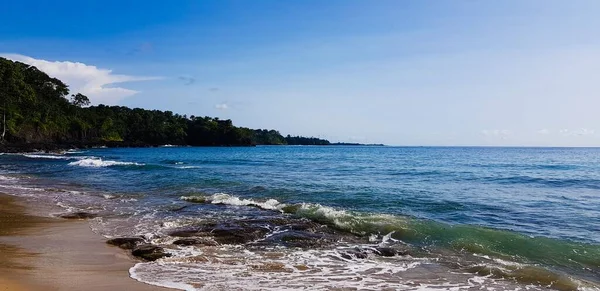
(43, 253)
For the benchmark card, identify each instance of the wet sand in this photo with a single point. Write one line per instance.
(39, 253)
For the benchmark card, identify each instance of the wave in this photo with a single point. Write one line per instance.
(73, 152)
(226, 199)
(7, 178)
(512, 246)
(53, 157)
(188, 167)
(17, 187)
(98, 163)
(172, 162)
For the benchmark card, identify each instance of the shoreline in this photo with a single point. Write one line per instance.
(58, 148)
(43, 253)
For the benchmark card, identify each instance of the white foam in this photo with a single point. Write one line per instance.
(21, 188)
(223, 198)
(53, 157)
(6, 178)
(98, 163)
(134, 274)
(387, 238)
(237, 268)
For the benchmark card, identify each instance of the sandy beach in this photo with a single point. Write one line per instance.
(40, 253)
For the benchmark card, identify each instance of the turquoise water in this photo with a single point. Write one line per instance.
(498, 216)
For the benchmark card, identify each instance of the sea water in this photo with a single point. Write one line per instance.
(457, 218)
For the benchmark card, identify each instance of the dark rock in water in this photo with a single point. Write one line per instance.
(291, 232)
(239, 232)
(78, 215)
(149, 252)
(126, 243)
(300, 239)
(186, 233)
(195, 242)
(193, 232)
(179, 208)
(233, 234)
(389, 252)
(354, 254)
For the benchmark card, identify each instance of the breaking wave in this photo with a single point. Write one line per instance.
(508, 245)
(98, 163)
(53, 157)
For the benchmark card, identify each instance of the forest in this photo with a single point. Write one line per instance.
(39, 109)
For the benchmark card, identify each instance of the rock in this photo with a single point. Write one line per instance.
(78, 215)
(232, 234)
(187, 233)
(305, 240)
(203, 230)
(385, 251)
(126, 243)
(194, 242)
(225, 233)
(290, 232)
(297, 239)
(149, 252)
(354, 254)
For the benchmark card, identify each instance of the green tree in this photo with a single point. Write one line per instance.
(80, 100)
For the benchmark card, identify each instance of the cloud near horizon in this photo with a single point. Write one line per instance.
(86, 79)
(222, 106)
(577, 132)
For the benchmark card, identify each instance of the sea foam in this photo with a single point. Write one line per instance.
(98, 163)
(53, 157)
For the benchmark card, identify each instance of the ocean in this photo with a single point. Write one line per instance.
(336, 217)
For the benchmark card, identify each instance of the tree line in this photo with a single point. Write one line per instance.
(37, 108)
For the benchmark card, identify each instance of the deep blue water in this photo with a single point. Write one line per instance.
(548, 195)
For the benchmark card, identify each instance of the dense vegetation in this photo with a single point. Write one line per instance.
(37, 108)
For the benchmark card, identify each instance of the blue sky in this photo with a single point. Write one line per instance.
(396, 72)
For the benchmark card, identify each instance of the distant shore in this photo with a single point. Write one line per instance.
(58, 147)
(43, 253)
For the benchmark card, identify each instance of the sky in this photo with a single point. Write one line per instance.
(423, 72)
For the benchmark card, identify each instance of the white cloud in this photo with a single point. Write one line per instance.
(577, 132)
(86, 79)
(543, 131)
(222, 106)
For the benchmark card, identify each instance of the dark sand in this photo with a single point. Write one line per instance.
(39, 253)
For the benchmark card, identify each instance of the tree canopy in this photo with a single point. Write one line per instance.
(35, 109)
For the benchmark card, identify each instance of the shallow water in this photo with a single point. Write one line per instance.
(461, 218)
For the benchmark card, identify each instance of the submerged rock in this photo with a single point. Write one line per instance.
(225, 233)
(233, 234)
(298, 239)
(195, 242)
(149, 252)
(126, 243)
(389, 252)
(284, 231)
(78, 215)
(354, 254)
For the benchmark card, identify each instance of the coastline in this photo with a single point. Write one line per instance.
(61, 147)
(41, 253)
